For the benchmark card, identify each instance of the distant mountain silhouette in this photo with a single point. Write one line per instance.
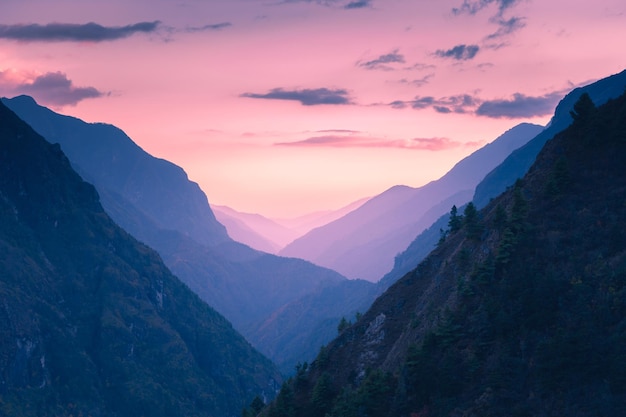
(91, 320)
(154, 201)
(519, 312)
(363, 243)
(505, 174)
(271, 235)
(254, 230)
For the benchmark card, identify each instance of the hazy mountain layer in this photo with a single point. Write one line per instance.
(504, 175)
(142, 194)
(91, 321)
(363, 243)
(519, 312)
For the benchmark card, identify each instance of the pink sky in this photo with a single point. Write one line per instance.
(286, 107)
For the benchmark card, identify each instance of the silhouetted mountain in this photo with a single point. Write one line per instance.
(91, 321)
(518, 163)
(505, 174)
(520, 312)
(363, 243)
(146, 195)
(254, 230)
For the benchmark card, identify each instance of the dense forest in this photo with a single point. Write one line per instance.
(519, 311)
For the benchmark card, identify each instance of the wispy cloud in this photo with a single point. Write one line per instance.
(338, 141)
(459, 52)
(520, 106)
(418, 82)
(343, 4)
(383, 61)
(52, 89)
(359, 4)
(306, 97)
(209, 27)
(473, 7)
(70, 32)
(462, 103)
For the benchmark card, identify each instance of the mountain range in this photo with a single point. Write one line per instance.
(91, 320)
(155, 202)
(271, 235)
(520, 310)
(363, 243)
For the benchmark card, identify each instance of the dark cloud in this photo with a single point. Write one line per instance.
(360, 4)
(53, 89)
(462, 103)
(473, 7)
(418, 82)
(459, 52)
(337, 141)
(381, 63)
(506, 27)
(520, 106)
(69, 32)
(211, 27)
(307, 97)
(348, 5)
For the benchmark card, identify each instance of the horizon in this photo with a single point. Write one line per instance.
(292, 107)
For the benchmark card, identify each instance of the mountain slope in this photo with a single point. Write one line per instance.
(520, 312)
(504, 175)
(518, 163)
(245, 285)
(91, 321)
(363, 243)
(254, 230)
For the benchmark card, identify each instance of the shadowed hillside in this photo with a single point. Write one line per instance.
(520, 311)
(91, 321)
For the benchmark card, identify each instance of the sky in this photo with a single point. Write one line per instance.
(285, 107)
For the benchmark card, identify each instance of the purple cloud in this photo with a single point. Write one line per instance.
(520, 106)
(337, 141)
(459, 52)
(381, 63)
(306, 97)
(52, 88)
(70, 32)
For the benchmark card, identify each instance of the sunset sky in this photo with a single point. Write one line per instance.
(283, 107)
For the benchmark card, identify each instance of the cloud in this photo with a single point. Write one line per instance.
(69, 32)
(418, 82)
(507, 27)
(337, 141)
(211, 27)
(473, 7)
(520, 106)
(380, 63)
(306, 97)
(462, 103)
(459, 52)
(347, 5)
(52, 88)
(359, 4)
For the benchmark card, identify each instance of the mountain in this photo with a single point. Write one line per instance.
(91, 321)
(254, 230)
(304, 224)
(144, 195)
(505, 174)
(363, 243)
(520, 312)
(518, 163)
(271, 235)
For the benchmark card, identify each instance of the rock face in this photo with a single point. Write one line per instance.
(91, 321)
(522, 311)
